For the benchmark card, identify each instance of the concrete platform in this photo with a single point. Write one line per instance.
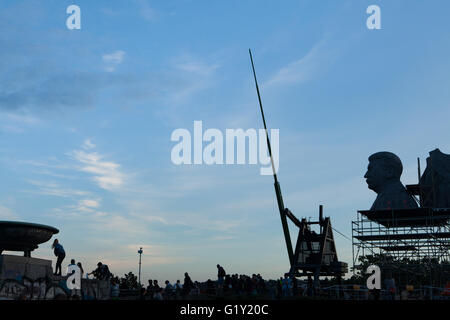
(17, 267)
(26, 278)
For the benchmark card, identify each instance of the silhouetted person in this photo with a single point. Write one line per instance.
(59, 252)
(102, 272)
(383, 177)
(279, 288)
(150, 288)
(188, 284)
(72, 263)
(168, 290)
(178, 289)
(220, 278)
(286, 285)
(81, 269)
(156, 287)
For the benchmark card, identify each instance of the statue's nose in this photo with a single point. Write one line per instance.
(365, 175)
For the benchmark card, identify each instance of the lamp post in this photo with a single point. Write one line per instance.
(140, 255)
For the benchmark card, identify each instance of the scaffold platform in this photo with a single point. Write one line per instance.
(416, 234)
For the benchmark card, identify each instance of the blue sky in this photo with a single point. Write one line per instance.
(86, 118)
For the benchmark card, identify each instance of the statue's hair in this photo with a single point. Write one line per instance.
(390, 160)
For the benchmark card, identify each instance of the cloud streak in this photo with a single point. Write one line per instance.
(301, 70)
(55, 189)
(106, 174)
(113, 60)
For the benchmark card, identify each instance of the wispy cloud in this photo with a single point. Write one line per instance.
(87, 145)
(55, 189)
(79, 210)
(301, 70)
(114, 223)
(88, 205)
(197, 67)
(16, 122)
(199, 224)
(190, 76)
(149, 218)
(52, 163)
(21, 118)
(112, 60)
(106, 173)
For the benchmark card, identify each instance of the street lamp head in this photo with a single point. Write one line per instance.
(140, 251)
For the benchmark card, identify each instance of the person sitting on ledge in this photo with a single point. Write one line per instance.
(383, 177)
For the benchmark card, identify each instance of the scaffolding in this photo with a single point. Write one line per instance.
(421, 234)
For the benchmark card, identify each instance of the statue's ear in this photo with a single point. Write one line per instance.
(389, 172)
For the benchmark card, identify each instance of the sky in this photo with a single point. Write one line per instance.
(86, 118)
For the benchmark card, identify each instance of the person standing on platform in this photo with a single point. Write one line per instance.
(60, 254)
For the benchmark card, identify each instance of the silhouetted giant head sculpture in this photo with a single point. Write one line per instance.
(384, 167)
(383, 176)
